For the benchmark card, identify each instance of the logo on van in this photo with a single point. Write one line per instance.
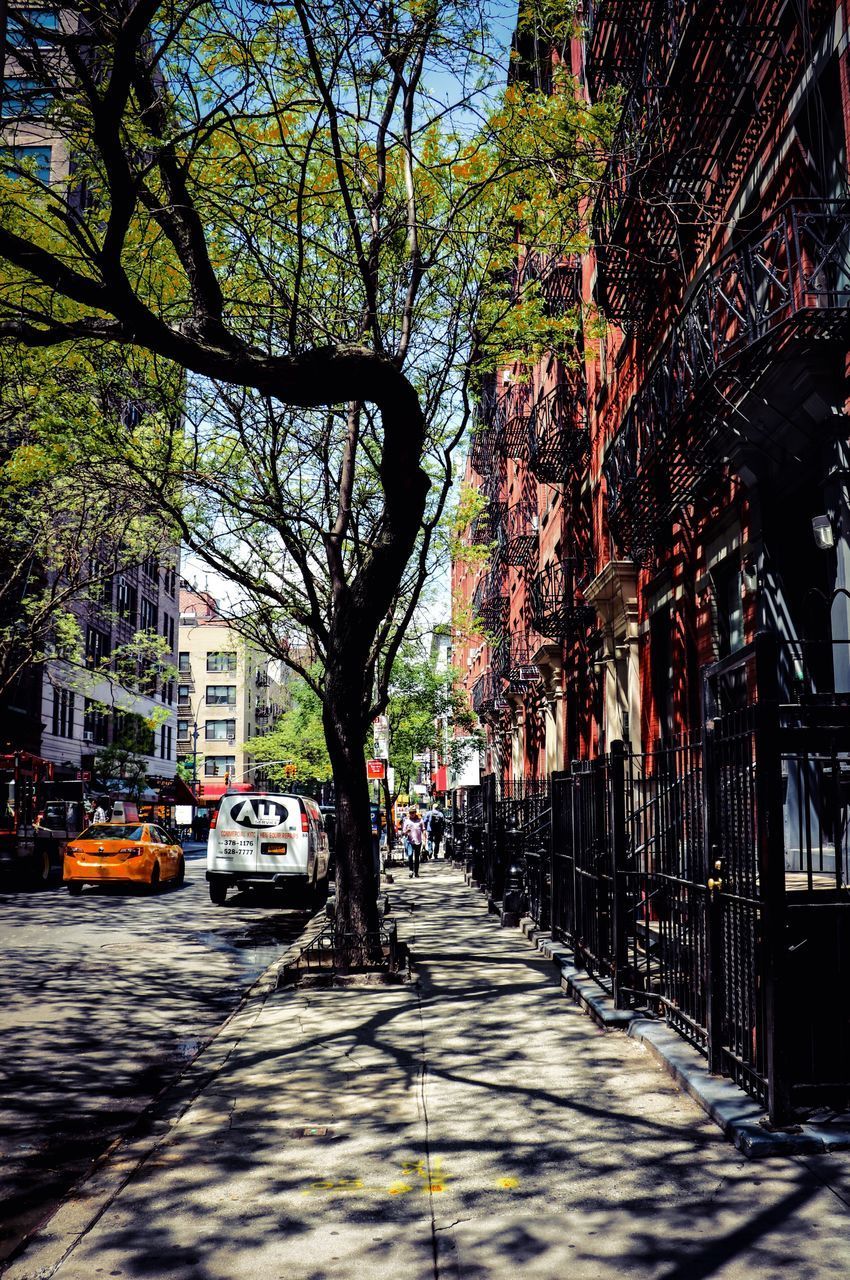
(259, 813)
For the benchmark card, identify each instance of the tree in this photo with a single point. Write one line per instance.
(302, 208)
(297, 738)
(65, 529)
(419, 697)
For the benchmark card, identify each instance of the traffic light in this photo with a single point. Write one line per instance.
(290, 770)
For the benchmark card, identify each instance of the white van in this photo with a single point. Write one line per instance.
(261, 839)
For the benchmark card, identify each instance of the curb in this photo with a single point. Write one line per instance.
(45, 1248)
(740, 1118)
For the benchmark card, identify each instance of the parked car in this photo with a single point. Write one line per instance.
(260, 840)
(129, 853)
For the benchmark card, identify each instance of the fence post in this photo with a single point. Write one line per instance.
(618, 859)
(771, 858)
(714, 976)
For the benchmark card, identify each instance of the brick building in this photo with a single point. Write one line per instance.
(659, 494)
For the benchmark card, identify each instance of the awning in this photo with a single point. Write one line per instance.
(171, 791)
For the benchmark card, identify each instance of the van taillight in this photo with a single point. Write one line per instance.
(305, 825)
(213, 819)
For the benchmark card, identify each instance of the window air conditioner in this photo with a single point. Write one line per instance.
(88, 735)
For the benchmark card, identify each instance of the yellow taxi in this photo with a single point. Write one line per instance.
(122, 852)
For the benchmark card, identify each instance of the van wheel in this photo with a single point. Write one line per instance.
(154, 881)
(218, 892)
(181, 872)
(74, 888)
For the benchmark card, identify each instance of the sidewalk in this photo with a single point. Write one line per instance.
(476, 1125)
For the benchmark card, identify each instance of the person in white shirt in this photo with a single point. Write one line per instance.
(414, 833)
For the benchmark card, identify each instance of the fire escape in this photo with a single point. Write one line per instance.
(701, 83)
(512, 660)
(558, 607)
(557, 430)
(782, 291)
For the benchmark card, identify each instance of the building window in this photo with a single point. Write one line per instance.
(218, 766)
(98, 648)
(63, 712)
(220, 730)
(25, 97)
(126, 601)
(95, 724)
(165, 741)
(33, 161)
(221, 695)
(221, 662)
(168, 692)
(661, 670)
(43, 20)
(168, 630)
(183, 664)
(727, 607)
(170, 580)
(183, 695)
(150, 567)
(183, 730)
(147, 615)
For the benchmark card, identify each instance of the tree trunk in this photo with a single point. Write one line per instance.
(357, 909)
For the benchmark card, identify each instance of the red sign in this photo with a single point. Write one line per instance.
(375, 769)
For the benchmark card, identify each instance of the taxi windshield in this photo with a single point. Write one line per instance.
(111, 831)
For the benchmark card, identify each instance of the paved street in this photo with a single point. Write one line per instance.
(473, 1126)
(102, 999)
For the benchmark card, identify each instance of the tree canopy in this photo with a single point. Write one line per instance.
(287, 233)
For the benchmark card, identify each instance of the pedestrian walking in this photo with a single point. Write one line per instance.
(435, 825)
(99, 814)
(414, 832)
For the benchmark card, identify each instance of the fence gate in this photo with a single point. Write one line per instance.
(745, 843)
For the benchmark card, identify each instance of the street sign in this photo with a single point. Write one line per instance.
(375, 768)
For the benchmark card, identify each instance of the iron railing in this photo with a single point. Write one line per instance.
(486, 693)
(516, 406)
(558, 277)
(558, 607)
(514, 652)
(700, 94)
(490, 600)
(557, 430)
(517, 533)
(790, 278)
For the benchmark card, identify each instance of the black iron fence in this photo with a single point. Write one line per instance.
(708, 880)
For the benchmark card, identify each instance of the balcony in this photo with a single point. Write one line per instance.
(516, 407)
(262, 680)
(788, 283)
(558, 278)
(615, 39)
(490, 600)
(557, 431)
(488, 430)
(558, 606)
(517, 533)
(483, 526)
(486, 694)
(513, 658)
(706, 86)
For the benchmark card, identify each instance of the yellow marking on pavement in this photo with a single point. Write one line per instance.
(509, 1183)
(399, 1188)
